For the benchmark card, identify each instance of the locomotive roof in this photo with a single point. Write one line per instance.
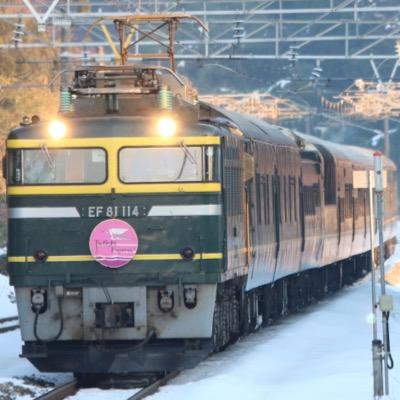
(121, 126)
(106, 126)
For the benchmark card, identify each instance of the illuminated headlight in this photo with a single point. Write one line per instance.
(57, 129)
(166, 127)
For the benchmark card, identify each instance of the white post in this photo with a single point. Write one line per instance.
(385, 301)
(376, 344)
(366, 180)
(372, 244)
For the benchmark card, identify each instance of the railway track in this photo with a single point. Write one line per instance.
(61, 392)
(153, 388)
(72, 387)
(8, 324)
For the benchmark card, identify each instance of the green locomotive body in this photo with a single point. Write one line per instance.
(178, 224)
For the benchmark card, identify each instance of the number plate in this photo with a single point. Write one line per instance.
(114, 211)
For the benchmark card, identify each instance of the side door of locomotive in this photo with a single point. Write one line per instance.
(235, 206)
(249, 200)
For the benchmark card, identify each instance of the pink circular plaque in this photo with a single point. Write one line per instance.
(113, 243)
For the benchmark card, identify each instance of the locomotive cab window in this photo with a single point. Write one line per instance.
(168, 164)
(47, 166)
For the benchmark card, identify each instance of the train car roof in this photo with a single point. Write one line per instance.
(278, 135)
(368, 154)
(251, 127)
(357, 155)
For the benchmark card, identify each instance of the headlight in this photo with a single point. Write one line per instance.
(166, 300)
(166, 127)
(57, 129)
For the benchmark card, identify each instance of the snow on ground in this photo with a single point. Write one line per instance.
(322, 352)
(19, 379)
(98, 394)
(8, 308)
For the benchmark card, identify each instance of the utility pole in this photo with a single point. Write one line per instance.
(386, 136)
(65, 95)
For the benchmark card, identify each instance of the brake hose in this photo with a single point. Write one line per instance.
(60, 331)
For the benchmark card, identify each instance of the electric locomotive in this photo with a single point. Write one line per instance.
(148, 229)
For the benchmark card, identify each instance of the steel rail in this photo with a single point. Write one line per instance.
(60, 392)
(9, 327)
(153, 388)
(71, 388)
(8, 319)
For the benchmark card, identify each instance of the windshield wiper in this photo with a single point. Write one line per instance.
(49, 159)
(189, 156)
